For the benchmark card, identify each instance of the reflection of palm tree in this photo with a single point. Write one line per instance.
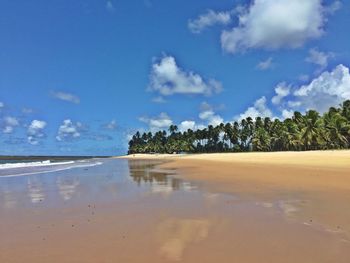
(142, 172)
(67, 186)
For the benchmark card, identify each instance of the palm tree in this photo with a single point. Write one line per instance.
(312, 133)
(338, 130)
(173, 129)
(345, 111)
(301, 132)
(261, 140)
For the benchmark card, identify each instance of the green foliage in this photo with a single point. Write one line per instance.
(301, 132)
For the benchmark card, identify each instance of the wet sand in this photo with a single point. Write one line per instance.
(320, 177)
(203, 211)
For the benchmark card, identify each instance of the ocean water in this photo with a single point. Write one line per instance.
(30, 166)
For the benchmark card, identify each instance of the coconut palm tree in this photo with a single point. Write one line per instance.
(301, 132)
(337, 130)
(312, 136)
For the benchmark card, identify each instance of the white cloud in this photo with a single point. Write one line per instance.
(287, 114)
(161, 122)
(2, 105)
(36, 131)
(110, 7)
(259, 109)
(9, 124)
(282, 90)
(294, 104)
(327, 90)
(12, 121)
(69, 130)
(274, 24)
(185, 125)
(112, 125)
(8, 129)
(209, 19)
(169, 79)
(266, 64)
(335, 6)
(208, 115)
(319, 58)
(66, 97)
(211, 118)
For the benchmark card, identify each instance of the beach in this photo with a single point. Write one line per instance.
(317, 183)
(254, 207)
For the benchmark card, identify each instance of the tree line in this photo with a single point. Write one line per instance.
(301, 132)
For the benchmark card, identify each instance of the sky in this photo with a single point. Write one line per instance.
(79, 77)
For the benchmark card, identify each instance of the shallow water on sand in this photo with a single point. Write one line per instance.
(128, 211)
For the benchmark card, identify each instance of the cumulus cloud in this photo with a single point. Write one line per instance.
(69, 130)
(161, 122)
(266, 64)
(211, 118)
(36, 131)
(327, 90)
(9, 124)
(208, 115)
(2, 105)
(168, 78)
(287, 114)
(319, 58)
(275, 24)
(112, 125)
(282, 90)
(259, 109)
(335, 6)
(185, 125)
(66, 96)
(208, 19)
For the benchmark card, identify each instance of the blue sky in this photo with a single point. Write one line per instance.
(78, 77)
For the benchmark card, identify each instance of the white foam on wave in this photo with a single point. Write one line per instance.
(32, 164)
(54, 170)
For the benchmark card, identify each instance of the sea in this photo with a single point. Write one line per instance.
(27, 165)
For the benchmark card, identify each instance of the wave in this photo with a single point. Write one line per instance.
(32, 164)
(43, 167)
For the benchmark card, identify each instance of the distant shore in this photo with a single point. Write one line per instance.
(322, 177)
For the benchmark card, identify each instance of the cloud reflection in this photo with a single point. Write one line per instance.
(35, 190)
(67, 186)
(176, 235)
